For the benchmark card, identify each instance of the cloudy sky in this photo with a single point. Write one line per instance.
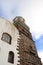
(32, 11)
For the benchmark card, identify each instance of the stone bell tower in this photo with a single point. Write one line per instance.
(27, 49)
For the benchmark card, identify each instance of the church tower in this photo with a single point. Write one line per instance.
(26, 46)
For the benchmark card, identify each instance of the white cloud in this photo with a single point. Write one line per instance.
(31, 10)
(8, 8)
(40, 53)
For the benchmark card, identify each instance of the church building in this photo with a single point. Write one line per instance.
(16, 44)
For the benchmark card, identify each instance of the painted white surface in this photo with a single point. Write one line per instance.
(6, 26)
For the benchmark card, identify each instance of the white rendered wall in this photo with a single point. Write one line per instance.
(8, 27)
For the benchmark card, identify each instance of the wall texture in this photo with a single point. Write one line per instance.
(5, 48)
(27, 49)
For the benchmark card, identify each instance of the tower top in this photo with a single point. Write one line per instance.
(19, 22)
(18, 19)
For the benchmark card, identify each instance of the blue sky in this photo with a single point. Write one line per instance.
(32, 11)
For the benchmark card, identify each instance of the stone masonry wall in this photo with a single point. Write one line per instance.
(27, 52)
(27, 49)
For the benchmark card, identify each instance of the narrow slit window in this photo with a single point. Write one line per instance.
(11, 57)
(6, 37)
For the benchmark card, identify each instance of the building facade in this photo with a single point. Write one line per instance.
(16, 44)
(8, 43)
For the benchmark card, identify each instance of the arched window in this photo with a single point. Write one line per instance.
(11, 57)
(6, 37)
